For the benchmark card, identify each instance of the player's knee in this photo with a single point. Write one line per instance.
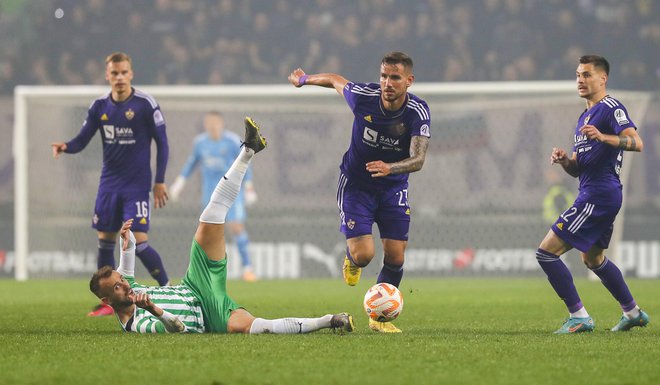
(240, 321)
(593, 262)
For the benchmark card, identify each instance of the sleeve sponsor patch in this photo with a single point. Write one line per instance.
(158, 118)
(425, 130)
(620, 116)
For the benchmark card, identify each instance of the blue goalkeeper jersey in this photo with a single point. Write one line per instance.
(214, 158)
(126, 129)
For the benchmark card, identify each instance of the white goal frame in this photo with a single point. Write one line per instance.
(24, 93)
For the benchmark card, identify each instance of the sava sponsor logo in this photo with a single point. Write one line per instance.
(373, 139)
(121, 135)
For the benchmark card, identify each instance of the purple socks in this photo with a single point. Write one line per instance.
(612, 279)
(152, 261)
(560, 278)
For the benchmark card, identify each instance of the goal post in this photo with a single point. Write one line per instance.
(481, 187)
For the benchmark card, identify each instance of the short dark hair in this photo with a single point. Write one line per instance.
(95, 282)
(117, 57)
(597, 61)
(396, 57)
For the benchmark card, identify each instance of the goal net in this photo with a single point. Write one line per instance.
(481, 204)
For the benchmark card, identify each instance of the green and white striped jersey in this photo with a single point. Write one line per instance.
(177, 300)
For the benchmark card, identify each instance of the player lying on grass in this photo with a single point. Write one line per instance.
(201, 303)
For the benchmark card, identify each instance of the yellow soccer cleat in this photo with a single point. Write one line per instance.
(351, 272)
(383, 327)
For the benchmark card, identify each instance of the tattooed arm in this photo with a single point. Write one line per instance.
(418, 147)
(627, 140)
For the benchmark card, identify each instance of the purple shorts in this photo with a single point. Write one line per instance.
(585, 225)
(113, 208)
(360, 208)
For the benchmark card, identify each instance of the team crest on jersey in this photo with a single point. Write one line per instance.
(350, 224)
(368, 118)
(560, 226)
(620, 116)
(104, 117)
(586, 120)
(143, 221)
(129, 114)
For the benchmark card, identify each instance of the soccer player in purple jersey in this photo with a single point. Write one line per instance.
(603, 132)
(127, 121)
(391, 132)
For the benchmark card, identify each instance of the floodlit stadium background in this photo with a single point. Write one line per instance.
(478, 202)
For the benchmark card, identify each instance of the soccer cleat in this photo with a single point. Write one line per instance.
(101, 310)
(249, 276)
(576, 325)
(253, 138)
(626, 324)
(342, 322)
(351, 272)
(383, 327)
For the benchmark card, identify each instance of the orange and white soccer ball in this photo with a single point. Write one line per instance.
(383, 302)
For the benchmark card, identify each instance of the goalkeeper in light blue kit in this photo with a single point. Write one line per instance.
(603, 132)
(214, 151)
(201, 303)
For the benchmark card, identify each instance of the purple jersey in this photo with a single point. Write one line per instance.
(126, 129)
(599, 164)
(379, 134)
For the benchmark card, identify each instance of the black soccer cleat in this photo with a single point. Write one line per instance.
(342, 322)
(253, 138)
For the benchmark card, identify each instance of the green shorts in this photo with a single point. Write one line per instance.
(208, 280)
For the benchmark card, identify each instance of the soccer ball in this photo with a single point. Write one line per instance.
(383, 302)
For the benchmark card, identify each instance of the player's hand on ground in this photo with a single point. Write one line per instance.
(378, 168)
(558, 156)
(294, 77)
(127, 235)
(160, 195)
(591, 132)
(58, 148)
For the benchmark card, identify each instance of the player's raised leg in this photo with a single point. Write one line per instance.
(210, 232)
(561, 280)
(612, 279)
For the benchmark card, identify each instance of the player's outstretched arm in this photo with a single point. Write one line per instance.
(569, 165)
(418, 147)
(126, 250)
(329, 80)
(627, 140)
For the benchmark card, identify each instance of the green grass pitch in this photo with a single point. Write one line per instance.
(456, 331)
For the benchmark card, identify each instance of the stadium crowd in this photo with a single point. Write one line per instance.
(259, 41)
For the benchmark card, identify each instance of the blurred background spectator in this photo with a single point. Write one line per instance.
(259, 41)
